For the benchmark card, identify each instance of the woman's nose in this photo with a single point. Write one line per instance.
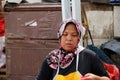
(69, 37)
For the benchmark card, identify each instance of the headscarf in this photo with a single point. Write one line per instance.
(63, 25)
(61, 57)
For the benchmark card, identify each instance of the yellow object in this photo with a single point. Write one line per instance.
(72, 76)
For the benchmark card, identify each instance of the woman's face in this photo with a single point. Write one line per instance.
(70, 38)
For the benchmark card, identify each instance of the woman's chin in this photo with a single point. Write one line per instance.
(69, 48)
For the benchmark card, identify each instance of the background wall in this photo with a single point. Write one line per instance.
(101, 22)
(116, 13)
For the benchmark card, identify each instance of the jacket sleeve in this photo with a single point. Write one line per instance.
(45, 72)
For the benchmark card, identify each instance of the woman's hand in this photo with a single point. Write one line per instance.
(90, 76)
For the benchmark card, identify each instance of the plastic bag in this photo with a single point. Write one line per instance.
(112, 70)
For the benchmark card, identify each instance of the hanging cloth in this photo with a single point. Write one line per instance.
(2, 27)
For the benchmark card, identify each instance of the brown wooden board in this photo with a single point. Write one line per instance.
(25, 57)
(31, 33)
(33, 7)
(20, 77)
(40, 25)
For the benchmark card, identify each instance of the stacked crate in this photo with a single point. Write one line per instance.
(105, 1)
(31, 33)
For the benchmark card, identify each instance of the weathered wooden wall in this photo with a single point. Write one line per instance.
(31, 33)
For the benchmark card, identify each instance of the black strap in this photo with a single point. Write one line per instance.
(88, 31)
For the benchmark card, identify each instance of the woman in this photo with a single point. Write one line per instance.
(71, 61)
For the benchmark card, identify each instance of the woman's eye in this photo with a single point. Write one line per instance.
(74, 35)
(64, 34)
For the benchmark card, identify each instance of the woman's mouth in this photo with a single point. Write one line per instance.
(68, 44)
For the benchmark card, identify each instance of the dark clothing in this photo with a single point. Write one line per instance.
(88, 63)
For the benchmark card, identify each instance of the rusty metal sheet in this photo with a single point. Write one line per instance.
(24, 58)
(41, 25)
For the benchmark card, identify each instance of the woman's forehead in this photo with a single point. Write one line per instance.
(71, 28)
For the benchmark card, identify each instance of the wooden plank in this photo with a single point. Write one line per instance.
(42, 25)
(25, 57)
(3, 76)
(3, 73)
(2, 69)
(21, 77)
(34, 7)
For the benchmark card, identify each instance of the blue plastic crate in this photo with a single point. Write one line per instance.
(115, 1)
